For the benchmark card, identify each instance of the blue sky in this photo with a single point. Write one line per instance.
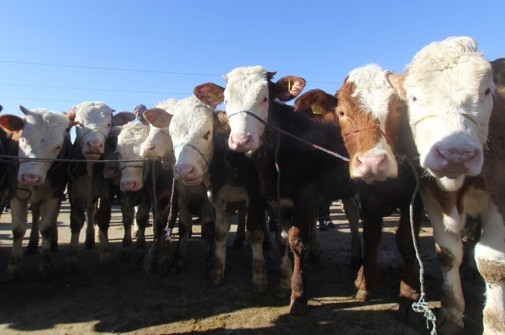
(56, 54)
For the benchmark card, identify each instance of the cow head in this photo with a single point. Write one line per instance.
(449, 87)
(191, 130)
(129, 140)
(370, 115)
(158, 143)
(95, 122)
(41, 134)
(248, 95)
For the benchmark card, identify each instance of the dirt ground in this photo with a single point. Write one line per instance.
(125, 299)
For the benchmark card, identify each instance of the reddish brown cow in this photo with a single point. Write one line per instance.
(371, 135)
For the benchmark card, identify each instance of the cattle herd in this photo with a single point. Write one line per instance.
(430, 139)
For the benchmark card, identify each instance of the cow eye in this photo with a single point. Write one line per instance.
(58, 148)
(206, 136)
(487, 91)
(265, 99)
(413, 98)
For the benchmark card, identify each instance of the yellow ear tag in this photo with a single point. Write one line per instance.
(289, 85)
(215, 96)
(316, 109)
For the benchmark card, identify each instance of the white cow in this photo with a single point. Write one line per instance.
(41, 134)
(449, 89)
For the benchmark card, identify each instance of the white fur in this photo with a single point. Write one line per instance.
(246, 89)
(95, 119)
(191, 122)
(168, 105)
(131, 137)
(373, 90)
(444, 81)
(42, 137)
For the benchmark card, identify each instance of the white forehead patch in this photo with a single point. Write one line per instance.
(93, 112)
(131, 137)
(372, 89)
(190, 116)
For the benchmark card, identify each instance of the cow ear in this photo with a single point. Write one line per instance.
(11, 122)
(289, 87)
(122, 118)
(157, 117)
(396, 80)
(315, 102)
(72, 113)
(210, 94)
(221, 123)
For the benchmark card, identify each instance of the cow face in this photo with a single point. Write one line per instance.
(191, 130)
(248, 95)
(129, 140)
(95, 121)
(369, 113)
(158, 143)
(41, 134)
(448, 88)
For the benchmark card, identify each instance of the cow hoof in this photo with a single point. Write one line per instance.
(217, 281)
(126, 254)
(362, 295)
(89, 244)
(447, 327)
(298, 307)
(69, 266)
(260, 288)
(32, 248)
(141, 244)
(10, 277)
(46, 271)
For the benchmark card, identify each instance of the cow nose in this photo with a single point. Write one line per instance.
(128, 185)
(372, 164)
(184, 171)
(95, 144)
(242, 142)
(456, 155)
(30, 179)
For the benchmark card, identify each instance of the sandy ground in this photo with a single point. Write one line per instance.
(124, 298)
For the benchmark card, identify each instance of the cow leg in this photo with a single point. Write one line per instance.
(490, 259)
(50, 210)
(33, 242)
(221, 237)
(351, 210)
(305, 212)
(103, 215)
(77, 218)
(409, 285)
(18, 212)
(314, 245)
(256, 223)
(128, 212)
(367, 275)
(89, 242)
(142, 219)
(185, 228)
(449, 250)
(238, 243)
(286, 266)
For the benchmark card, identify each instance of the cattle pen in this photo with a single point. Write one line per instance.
(123, 298)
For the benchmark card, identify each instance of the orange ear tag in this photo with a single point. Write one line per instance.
(215, 96)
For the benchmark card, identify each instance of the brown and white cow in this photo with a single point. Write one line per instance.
(373, 121)
(87, 183)
(188, 199)
(307, 175)
(42, 134)
(457, 119)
